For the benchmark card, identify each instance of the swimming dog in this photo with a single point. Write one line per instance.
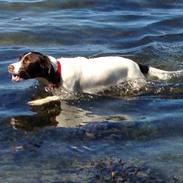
(80, 74)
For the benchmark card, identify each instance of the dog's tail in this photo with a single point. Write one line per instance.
(160, 74)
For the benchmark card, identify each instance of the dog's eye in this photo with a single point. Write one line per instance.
(25, 61)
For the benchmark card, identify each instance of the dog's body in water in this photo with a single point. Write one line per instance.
(84, 75)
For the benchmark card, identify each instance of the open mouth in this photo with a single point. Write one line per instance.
(16, 78)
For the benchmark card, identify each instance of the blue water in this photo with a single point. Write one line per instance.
(58, 142)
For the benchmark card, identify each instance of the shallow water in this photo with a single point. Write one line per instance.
(58, 142)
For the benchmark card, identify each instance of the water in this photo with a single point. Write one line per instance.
(58, 143)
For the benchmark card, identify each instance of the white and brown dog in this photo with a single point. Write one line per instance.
(81, 74)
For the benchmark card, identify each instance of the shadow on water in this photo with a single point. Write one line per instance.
(88, 112)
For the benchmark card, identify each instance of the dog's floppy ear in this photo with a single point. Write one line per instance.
(45, 62)
(41, 59)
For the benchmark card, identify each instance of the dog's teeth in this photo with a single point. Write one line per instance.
(16, 78)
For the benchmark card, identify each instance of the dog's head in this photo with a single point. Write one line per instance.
(30, 65)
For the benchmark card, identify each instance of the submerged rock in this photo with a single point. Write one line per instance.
(119, 171)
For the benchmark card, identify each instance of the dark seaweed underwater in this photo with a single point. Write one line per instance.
(122, 135)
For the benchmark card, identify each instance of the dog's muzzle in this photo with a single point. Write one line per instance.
(18, 75)
(11, 68)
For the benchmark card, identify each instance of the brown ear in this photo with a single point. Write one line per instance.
(41, 59)
(45, 62)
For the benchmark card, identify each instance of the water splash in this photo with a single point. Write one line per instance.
(154, 87)
(173, 88)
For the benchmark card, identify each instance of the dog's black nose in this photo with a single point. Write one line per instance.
(11, 68)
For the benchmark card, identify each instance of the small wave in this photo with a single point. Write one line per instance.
(127, 89)
(44, 5)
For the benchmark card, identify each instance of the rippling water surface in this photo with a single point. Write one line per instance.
(59, 142)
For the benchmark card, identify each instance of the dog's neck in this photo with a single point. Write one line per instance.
(54, 73)
(53, 61)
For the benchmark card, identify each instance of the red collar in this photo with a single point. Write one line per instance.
(59, 69)
(58, 72)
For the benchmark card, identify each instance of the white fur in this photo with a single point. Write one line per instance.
(16, 66)
(44, 100)
(94, 74)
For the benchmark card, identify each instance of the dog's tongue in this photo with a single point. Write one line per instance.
(16, 78)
